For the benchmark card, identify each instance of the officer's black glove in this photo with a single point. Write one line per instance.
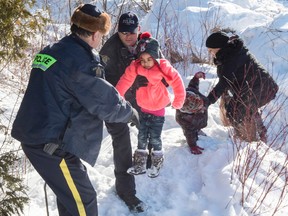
(135, 118)
(140, 81)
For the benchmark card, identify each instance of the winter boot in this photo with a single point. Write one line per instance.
(134, 204)
(195, 149)
(139, 164)
(157, 162)
(192, 138)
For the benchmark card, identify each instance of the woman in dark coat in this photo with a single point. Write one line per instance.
(243, 82)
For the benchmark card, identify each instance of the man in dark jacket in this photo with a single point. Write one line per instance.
(118, 52)
(243, 78)
(60, 120)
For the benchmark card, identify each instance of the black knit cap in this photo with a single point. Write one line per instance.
(217, 40)
(149, 45)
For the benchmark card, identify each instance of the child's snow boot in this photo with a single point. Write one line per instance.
(139, 164)
(157, 162)
(195, 149)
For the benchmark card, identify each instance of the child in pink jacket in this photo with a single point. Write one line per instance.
(152, 99)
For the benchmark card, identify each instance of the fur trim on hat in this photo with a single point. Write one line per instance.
(102, 23)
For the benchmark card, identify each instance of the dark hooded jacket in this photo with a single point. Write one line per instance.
(242, 76)
(67, 101)
(117, 57)
(192, 123)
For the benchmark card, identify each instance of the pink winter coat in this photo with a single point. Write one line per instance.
(155, 96)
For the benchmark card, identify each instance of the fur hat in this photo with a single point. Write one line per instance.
(149, 45)
(193, 103)
(217, 40)
(128, 22)
(88, 17)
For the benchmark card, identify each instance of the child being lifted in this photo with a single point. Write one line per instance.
(152, 99)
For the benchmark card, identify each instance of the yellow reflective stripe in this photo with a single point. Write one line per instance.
(72, 187)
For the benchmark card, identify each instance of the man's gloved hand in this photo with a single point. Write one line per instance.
(140, 81)
(135, 118)
(200, 74)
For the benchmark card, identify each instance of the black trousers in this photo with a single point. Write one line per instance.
(67, 177)
(122, 154)
(191, 124)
